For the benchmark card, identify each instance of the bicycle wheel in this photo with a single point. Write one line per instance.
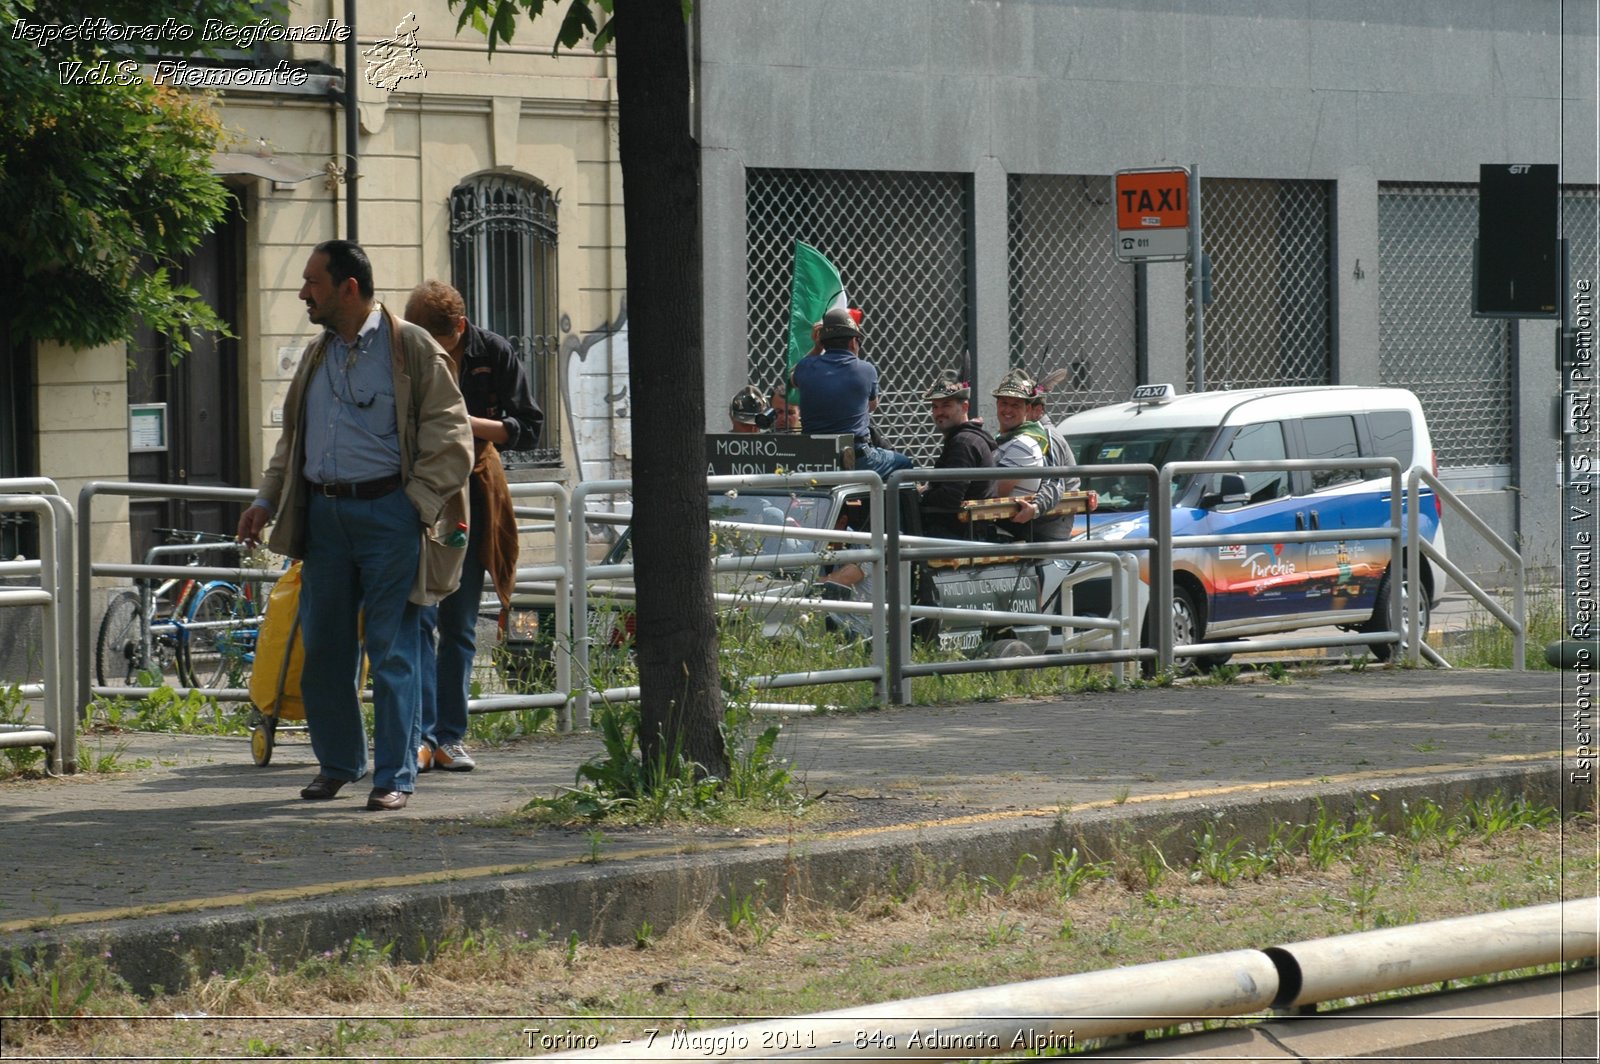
(119, 653)
(209, 641)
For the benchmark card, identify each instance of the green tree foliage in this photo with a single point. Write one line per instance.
(107, 183)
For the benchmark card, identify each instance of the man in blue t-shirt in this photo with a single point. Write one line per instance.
(838, 392)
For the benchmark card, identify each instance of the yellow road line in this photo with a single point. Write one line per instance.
(302, 893)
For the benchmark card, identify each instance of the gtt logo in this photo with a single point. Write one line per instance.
(1520, 168)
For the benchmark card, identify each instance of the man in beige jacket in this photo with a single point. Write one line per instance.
(367, 487)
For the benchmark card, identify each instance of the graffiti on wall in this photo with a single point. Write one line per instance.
(594, 385)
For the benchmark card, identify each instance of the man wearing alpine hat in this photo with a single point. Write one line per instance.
(839, 391)
(967, 445)
(1022, 443)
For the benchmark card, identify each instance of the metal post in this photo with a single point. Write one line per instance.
(352, 129)
(893, 594)
(1197, 280)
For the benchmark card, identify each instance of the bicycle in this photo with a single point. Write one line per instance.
(182, 629)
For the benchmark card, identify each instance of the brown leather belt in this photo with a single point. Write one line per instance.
(366, 489)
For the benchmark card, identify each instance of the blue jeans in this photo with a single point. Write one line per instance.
(449, 641)
(361, 561)
(881, 460)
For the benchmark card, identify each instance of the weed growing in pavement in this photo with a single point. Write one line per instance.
(1427, 824)
(1495, 813)
(1330, 840)
(164, 710)
(1070, 873)
(750, 917)
(617, 784)
(1018, 878)
(46, 991)
(105, 762)
(492, 729)
(1215, 859)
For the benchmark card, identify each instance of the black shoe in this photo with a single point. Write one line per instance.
(322, 787)
(381, 799)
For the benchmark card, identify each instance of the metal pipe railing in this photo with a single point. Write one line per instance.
(86, 565)
(560, 575)
(1064, 1012)
(1163, 577)
(1517, 621)
(901, 550)
(54, 598)
(64, 522)
(1373, 962)
(583, 573)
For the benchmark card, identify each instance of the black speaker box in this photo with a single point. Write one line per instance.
(1517, 263)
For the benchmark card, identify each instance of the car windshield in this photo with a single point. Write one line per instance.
(792, 511)
(754, 508)
(1155, 447)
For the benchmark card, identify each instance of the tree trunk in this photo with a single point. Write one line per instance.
(677, 625)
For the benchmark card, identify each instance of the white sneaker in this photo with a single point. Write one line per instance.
(453, 757)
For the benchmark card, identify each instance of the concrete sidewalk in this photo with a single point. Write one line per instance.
(196, 845)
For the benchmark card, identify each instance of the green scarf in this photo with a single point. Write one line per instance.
(1030, 428)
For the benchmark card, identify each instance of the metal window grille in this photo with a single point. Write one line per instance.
(1580, 224)
(1073, 305)
(1270, 321)
(900, 243)
(503, 262)
(1428, 341)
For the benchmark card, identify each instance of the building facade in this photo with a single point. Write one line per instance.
(955, 161)
(497, 175)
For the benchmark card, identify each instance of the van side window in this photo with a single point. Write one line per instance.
(1391, 436)
(1261, 443)
(1330, 438)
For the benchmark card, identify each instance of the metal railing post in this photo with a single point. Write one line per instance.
(1160, 611)
(895, 590)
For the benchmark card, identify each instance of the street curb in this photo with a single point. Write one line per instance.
(605, 903)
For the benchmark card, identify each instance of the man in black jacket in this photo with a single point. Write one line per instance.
(503, 414)
(967, 445)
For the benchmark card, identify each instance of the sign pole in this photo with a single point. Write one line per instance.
(1197, 282)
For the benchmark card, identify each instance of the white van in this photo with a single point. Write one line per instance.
(1239, 590)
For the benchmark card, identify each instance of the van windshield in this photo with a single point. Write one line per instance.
(1155, 447)
(794, 510)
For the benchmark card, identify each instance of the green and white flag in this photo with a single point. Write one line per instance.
(816, 288)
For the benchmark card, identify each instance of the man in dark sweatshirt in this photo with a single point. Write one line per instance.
(967, 445)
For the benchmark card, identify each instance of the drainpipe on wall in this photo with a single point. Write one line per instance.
(352, 129)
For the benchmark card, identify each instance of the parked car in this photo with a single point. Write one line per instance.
(528, 629)
(1237, 590)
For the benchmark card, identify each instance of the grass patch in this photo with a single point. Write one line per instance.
(1485, 643)
(748, 955)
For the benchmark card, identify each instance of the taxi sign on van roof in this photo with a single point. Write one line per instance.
(1151, 394)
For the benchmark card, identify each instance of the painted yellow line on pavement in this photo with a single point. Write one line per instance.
(1205, 792)
(420, 879)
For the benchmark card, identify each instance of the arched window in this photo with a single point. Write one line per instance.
(503, 261)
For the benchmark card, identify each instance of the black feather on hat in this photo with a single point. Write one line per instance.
(950, 385)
